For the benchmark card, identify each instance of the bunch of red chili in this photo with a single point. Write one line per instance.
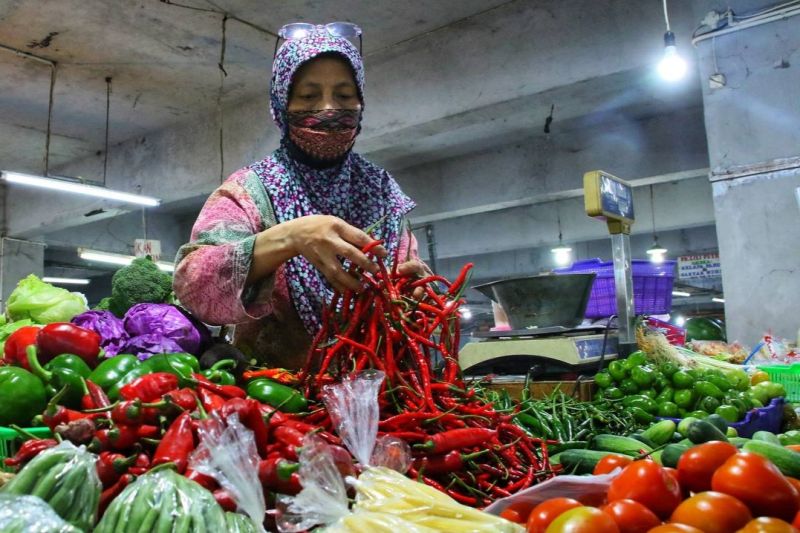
(462, 445)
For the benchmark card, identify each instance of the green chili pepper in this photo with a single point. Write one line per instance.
(170, 363)
(71, 362)
(109, 372)
(277, 395)
(58, 378)
(219, 374)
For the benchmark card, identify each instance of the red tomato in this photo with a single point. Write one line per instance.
(648, 484)
(631, 516)
(512, 515)
(793, 447)
(766, 524)
(713, 512)
(610, 462)
(758, 484)
(675, 528)
(698, 464)
(796, 521)
(547, 511)
(583, 520)
(796, 484)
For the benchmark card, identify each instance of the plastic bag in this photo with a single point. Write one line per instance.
(236, 470)
(167, 321)
(586, 489)
(44, 303)
(163, 500)
(66, 479)
(772, 351)
(23, 514)
(108, 326)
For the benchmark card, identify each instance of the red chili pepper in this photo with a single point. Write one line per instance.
(127, 412)
(226, 391)
(150, 387)
(97, 397)
(450, 462)
(457, 439)
(148, 431)
(140, 465)
(279, 475)
(249, 412)
(281, 375)
(110, 466)
(28, 450)
(177, 443)
(210, 401)
(288, 436)
(207, 482)
(63, 337)
(16, 346)
(123, 437)
(225, 500)
(55, 414)
(459, 281)
(113, 491)
(184, 398)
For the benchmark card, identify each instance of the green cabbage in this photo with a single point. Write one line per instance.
(43, 303)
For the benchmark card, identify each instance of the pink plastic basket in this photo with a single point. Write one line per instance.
(652, 287)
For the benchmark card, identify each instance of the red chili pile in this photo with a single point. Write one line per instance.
(461, 445)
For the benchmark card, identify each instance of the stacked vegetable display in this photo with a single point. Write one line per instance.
(666, 390)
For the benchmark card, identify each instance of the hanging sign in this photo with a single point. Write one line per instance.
(144, 247)
(699, 266)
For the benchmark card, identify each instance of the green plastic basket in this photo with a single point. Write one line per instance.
(786, 375)
(10, 441)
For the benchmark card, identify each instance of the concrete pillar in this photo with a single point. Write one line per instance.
(18, 258)
(753, 129)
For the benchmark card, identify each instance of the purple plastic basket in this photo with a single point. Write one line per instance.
(767, 418)
(652, 287)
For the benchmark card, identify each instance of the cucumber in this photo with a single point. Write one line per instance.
(738, 441)
(718, 422)
(617, 444)
(676, 437)
(671, 454)
(568, 445)
(766, 436)
(731, 432)
(580, 461)
(703, 431)
(656, 456)
(641, 438)
(787, 461)
(660, 432)
(683, 425)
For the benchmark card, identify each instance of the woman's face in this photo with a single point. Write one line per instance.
(324, 83)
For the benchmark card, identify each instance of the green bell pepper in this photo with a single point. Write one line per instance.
(22, 396)
(219, 373)
(109, 372)
(187, 359)
(58, 378)
(277, 395)
(172, 363)
(70, 362)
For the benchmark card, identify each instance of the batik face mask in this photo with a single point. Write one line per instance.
(326, 134)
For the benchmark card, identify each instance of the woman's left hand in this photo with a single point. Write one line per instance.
(414, 267)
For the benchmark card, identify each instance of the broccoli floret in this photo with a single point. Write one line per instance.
(104, 304)
(139, 282)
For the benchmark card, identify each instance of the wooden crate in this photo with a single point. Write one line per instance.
(541, 389)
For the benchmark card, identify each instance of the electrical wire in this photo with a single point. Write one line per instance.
(766, 11)
(787, 10)
(220, 113)
(666, 15)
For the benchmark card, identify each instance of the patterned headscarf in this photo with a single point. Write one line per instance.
(356, 191)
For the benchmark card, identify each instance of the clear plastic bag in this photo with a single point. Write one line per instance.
(163, 500)
(23, 514)
(586, 489)
(65, 478)
(236, 470)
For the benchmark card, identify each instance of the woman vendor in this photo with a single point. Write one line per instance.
(266, 250)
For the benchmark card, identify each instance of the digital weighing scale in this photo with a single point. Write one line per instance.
(537, 339)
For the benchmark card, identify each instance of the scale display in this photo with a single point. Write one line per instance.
(608, 197)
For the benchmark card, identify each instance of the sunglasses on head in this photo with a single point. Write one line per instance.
(299, 30)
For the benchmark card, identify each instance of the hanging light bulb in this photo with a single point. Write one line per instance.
(672, 67)
(561, 252)
(656, 252)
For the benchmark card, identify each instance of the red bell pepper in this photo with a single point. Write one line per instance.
(15, 351)
(63, 337)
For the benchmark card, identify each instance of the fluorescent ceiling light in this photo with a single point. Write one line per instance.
(718, 300)
(63, 185)
(562, 254)
(66, 281)
(681, 293)
(117, 259)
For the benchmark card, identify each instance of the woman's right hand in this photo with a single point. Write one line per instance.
(323, 239)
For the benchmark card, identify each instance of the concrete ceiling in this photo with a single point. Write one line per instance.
(163, 61)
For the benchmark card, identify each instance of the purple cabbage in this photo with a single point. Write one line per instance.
(110, 328)
(168, 322)
(145, 346)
